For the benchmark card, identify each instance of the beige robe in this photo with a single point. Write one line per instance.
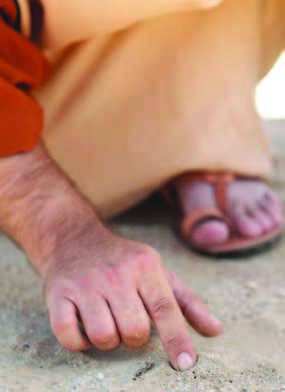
(121, 118)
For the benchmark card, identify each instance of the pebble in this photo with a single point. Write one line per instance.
(100, 376)
(251, 285)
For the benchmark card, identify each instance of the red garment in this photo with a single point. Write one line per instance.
(22, 68)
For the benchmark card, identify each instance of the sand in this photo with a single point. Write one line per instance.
(248, 295)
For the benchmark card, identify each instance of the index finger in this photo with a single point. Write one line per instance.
(162, 307)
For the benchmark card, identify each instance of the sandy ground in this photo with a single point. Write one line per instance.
(248, 295)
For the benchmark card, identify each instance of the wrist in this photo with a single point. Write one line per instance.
(40, 208)
(50, 234)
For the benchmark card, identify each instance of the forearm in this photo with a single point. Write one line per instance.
(40, 209)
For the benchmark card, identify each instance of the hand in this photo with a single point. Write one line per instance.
(113, 285)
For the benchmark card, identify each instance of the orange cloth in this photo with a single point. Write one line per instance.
(22, 68)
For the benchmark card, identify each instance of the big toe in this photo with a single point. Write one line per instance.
(210, 233)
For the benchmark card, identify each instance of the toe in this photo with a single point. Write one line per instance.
(272, 205)
(245, 224)
(261, 217)
(210, 232)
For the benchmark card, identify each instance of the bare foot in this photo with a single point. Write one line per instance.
(253, 207)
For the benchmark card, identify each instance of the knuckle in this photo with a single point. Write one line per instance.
(137, 335)
(163, 306)
(61, 326)
(176, 342)
(173, 341)
(71, 344)
(138, 331)
(110, 272)
(105, 340)
(85, 283)
(148, 258)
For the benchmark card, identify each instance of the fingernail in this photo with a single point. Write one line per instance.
(185, 362)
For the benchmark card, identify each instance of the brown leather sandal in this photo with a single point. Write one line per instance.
(236, 246)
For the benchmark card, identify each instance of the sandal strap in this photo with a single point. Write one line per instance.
(169, 198)
(200, 215)
(212, 178)
(221, 184)
(220, 181)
